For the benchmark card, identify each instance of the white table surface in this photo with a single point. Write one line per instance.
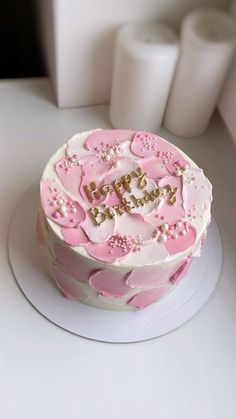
(46, 372)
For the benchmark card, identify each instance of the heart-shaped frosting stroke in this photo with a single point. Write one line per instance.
(181, 271)
(74, 236)
(147, 297)
(109, 283)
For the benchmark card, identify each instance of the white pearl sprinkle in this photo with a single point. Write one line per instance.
(183, 232)
(164, 226)
(116, 164)
(175, 236)
(179, 224)
(162, 238)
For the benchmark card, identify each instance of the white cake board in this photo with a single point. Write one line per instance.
(105, 325)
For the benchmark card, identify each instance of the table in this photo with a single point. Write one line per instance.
(46, 372)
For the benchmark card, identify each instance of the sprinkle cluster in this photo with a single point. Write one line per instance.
(180, 167)
(195, 212)
(123, 242)
(166, 232)
(63, 207)
(150, 143)
(188, 177)
(69, 162)
(126, 243)
(192, 213)
(108, 152)
(136, 243)
(166, 156)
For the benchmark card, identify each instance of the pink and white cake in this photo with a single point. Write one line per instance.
(121, 216)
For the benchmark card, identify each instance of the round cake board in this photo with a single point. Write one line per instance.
(105, 325)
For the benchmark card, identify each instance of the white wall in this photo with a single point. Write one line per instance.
(227, 102)
(78, 38)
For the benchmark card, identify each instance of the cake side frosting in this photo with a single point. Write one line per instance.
(131, 207)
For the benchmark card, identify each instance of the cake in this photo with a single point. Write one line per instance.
(121, 216)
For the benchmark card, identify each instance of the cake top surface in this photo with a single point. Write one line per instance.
(125, 198)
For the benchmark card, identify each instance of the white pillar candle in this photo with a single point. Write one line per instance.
(145, 58)
(207, 47)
